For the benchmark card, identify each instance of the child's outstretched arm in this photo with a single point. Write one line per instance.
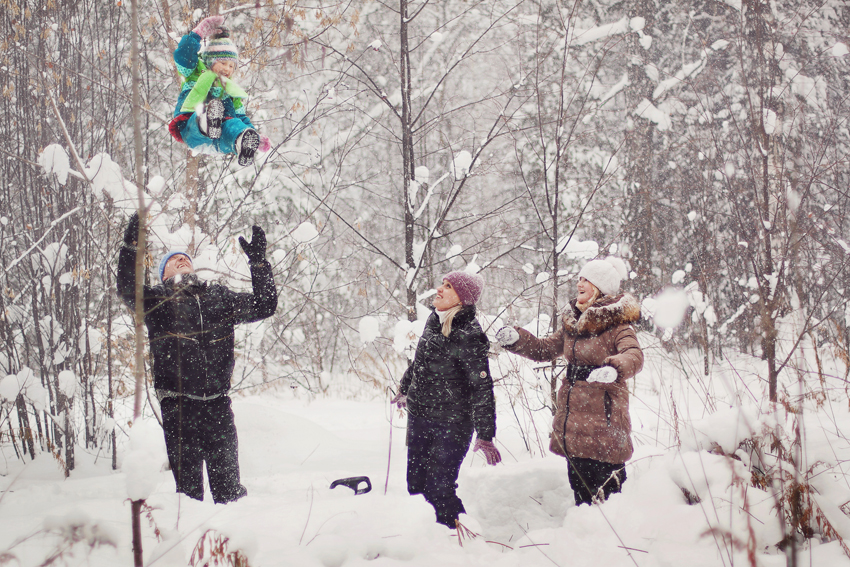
(186, 54)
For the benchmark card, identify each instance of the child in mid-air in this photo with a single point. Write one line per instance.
(210, 110)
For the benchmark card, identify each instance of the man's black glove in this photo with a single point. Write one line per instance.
(256, 249)
(131, 233)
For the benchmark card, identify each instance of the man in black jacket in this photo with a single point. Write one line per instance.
(190, 326)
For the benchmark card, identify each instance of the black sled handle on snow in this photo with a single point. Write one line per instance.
(353, 483)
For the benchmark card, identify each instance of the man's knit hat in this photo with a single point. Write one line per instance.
(167, 257)
(468, 287)
(605, 274)
(220, 47)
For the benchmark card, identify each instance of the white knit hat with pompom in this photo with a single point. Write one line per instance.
(605, 274)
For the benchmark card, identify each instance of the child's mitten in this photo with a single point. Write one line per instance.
(208, 26)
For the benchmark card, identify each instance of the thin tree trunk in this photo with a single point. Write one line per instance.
(26, 431)
(193, 162)
(192, 187)
(640, 154)
(768, 314)
(140, 264)
(12, 437)
(110, 395)
(407, 158)
(37, 420)
(69, 435)
(136, 510)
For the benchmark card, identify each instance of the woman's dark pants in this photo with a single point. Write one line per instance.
(588, 476)
(435, 451)
(202, 431)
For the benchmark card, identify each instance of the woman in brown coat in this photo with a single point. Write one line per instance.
(592, 428)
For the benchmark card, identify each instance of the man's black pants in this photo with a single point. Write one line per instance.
(202, 431)
(435, 451)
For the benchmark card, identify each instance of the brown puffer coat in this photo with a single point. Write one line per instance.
(592, 419)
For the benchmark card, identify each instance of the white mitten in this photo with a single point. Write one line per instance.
(605, 375)
(507, 336)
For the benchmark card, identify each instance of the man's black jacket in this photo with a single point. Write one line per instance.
(449, 379)
(190, 327)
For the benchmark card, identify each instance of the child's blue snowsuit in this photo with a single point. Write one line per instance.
(198, 85)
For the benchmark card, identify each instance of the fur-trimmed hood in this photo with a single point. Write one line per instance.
(606, 312)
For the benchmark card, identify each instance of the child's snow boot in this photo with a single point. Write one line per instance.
(246, 144)
(214, 115)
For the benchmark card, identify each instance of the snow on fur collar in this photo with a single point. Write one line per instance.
(606, 312)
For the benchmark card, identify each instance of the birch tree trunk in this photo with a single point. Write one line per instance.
(140, 264)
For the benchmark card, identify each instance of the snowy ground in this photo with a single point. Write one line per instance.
(291, 450)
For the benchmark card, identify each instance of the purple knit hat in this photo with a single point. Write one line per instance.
(468, 287)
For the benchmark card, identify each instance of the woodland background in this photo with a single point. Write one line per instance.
(705, 142)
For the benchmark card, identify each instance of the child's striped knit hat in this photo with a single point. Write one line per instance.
(218, 47)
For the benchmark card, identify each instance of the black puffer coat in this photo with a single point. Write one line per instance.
(449, 379)
(190, 327)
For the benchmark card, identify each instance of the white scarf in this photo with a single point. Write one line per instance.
(447, 316)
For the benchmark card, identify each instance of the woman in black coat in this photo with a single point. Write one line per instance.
(448, 393)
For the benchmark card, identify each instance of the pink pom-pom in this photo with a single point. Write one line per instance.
(265, 144)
